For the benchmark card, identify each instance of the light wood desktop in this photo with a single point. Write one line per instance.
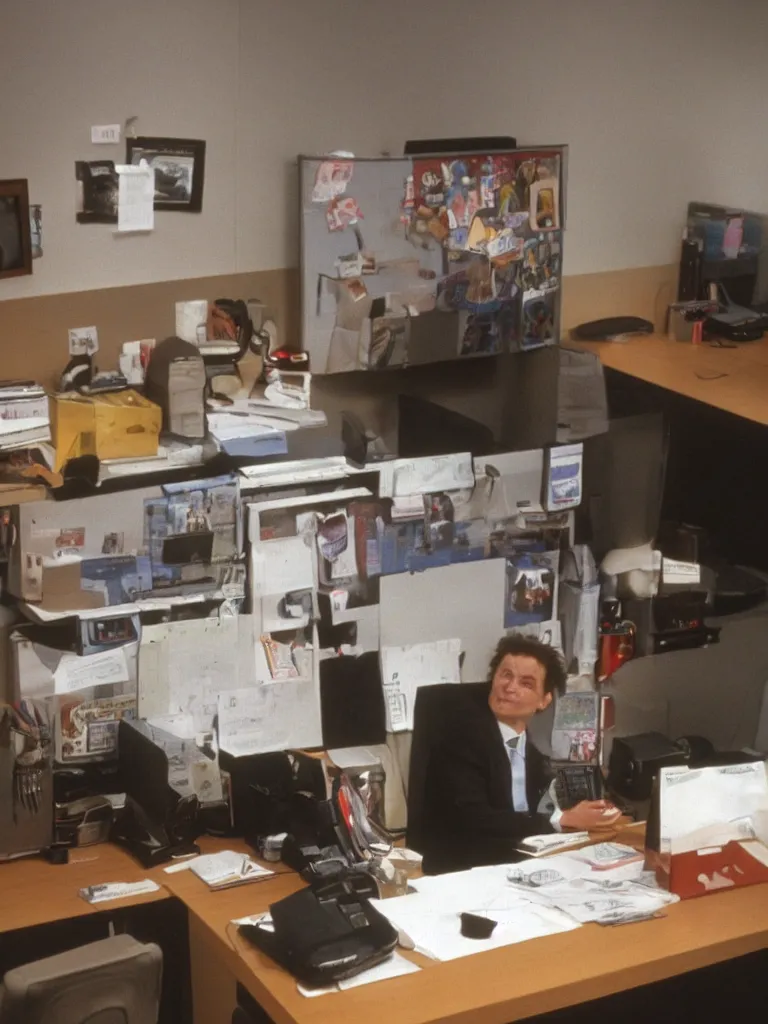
(491, 988)
(732, 379)
(34, 892)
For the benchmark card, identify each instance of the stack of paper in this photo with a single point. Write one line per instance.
(227, 868)
(245, 435)
(579, 885)
(431, 918)
(23, 414)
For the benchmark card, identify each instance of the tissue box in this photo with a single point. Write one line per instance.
(116, 425)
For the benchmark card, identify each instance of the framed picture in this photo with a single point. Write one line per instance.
(15, 242)
(179, 166)
(97, 189)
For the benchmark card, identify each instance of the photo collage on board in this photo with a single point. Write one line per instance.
(420, 260)
(498, 221)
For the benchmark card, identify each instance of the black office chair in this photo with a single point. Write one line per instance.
(435, 709)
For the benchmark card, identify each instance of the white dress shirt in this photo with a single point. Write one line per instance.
(516, 753)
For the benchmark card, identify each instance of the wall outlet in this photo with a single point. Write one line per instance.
(105, 134)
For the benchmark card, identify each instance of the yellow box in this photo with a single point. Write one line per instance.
(115, 425)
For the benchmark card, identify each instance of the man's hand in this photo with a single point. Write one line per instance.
(590, 815)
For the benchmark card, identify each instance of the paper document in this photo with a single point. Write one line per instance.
(395, 966)
(426, 476)
(117, 890)
(282, 566)
(430, 918)
(227, 868)
(135, 197)
(354, 757)
(405, 669)
(184, 665)
(18, 426)
(674, 571)
(264, 718)
(710, 806)
(81, 673)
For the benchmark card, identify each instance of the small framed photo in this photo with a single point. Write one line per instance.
(179, 166)
(15, 237)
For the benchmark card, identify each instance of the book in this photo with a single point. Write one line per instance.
(227, 868)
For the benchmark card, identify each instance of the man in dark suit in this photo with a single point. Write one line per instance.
(487, 786)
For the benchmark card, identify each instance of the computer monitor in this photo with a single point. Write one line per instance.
(733, 247)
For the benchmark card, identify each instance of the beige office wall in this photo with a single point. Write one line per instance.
(68, 64)
(659, 100)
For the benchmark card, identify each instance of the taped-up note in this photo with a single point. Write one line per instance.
(405, 669)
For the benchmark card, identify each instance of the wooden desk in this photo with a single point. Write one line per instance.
(34, 892)
(490, 988)
(732, 379)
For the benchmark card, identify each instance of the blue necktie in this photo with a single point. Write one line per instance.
(517, 765)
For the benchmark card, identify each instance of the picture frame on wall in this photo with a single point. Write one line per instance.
(179, 166)
(15, 240)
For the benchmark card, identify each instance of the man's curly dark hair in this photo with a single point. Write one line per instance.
(547, 657)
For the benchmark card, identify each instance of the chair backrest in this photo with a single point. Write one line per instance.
(114, 981)
(435, 708)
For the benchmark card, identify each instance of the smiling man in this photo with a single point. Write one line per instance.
(487, 786)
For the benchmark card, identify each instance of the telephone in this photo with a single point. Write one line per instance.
(575, 782)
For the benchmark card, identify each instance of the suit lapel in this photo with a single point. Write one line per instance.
(498, 756)
(536, 774)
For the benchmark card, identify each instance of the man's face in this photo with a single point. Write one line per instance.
(517, 689)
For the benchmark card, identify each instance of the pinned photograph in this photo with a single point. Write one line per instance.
(15, 242)
(179, 166)
(36, 230)
(531, 585)
(97, 190)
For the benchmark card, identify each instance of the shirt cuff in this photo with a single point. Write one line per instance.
(554, 819)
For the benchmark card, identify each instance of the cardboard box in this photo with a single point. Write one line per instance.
(117, 425)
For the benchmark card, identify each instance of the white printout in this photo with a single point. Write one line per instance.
(432, 920)
(260, 719)
(427, 475)
(82, 673)
(203, 658)
(282, 566)
(154, 695)
(405, 669)
(710, 806)
(135, 197)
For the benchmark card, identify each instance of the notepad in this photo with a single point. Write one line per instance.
(227, 868)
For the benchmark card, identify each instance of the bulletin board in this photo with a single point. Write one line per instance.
(406, 261)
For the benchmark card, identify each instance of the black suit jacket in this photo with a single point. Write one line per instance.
(468, 814)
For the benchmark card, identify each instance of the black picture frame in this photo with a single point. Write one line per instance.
(179, 170)
(15, 236)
